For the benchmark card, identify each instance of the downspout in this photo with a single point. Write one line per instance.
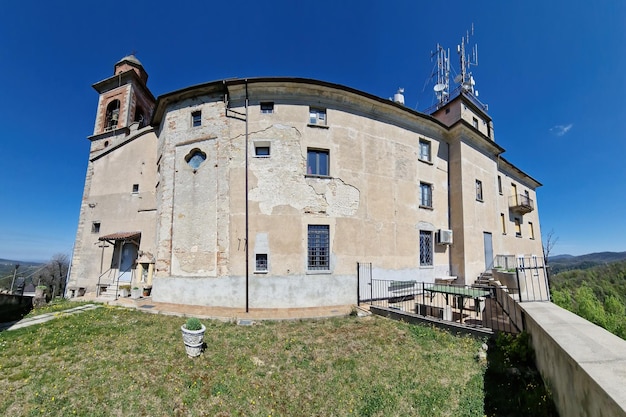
(247, 219)
(449, 212)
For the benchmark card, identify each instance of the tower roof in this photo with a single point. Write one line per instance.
(131, 59)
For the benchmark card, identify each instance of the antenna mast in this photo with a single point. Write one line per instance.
(442, 88)
(465, 78)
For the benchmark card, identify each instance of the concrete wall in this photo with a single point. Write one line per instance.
(583, 365)
(313, 290)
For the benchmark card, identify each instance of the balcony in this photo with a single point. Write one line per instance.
(520, 203)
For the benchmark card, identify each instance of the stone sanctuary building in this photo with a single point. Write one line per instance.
(267, 192)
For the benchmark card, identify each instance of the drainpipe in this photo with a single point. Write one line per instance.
(449, 211)
(247, 220)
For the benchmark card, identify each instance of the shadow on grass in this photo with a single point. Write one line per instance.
(12, 313)
(513, 386)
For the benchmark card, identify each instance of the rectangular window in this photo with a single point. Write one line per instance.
(518, 227)
(531, 230)
(503, 221)
(261, 262)
(196, 118)
(426, 195)
(95, 227)
(135, 188)
(317, 116)
(479, 190)
(317, 162)
(267, 107)
(500, 184)
(514, 193)
(262, 148)
(475, 122)
(426, 248)
(424, 150)
(318, 247)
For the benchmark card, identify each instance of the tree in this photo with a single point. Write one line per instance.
(548, 244)
(54, 274)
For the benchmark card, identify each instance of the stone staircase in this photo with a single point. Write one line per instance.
(107, 291)
(486, 280)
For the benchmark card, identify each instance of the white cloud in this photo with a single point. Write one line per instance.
(560, 130)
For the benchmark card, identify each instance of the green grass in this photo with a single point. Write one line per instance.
(116, 362)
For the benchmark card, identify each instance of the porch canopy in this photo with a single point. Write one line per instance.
(133, 237)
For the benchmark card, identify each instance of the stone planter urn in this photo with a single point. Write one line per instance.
(193, 337)
(135, 293)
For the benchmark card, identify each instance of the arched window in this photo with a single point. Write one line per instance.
(113, 114)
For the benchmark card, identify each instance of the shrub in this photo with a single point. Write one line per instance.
(193, 323)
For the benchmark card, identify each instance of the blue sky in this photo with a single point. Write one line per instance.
(551, 72)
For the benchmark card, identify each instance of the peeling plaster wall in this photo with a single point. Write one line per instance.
(193, 206)
(109, 199)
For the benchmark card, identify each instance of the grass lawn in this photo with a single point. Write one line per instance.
(117, 362)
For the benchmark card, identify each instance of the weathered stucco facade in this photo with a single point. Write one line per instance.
(332, 177)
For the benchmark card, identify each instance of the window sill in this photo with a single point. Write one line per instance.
(426, 161)
(317, 125)
(261, 156)
(426, 207)
(318, 272)
(323, 177)
(427, 267)
(260, 272)
(480, 200)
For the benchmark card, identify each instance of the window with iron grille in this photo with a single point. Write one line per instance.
(319, 247)
(261, 262)
(426, 195)
(426, 248)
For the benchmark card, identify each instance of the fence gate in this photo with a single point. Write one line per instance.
(532, 279)
(364, 281)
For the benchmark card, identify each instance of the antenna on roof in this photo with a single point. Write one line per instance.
(442, 88)
(465, 78)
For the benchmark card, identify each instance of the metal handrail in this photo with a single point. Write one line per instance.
(108, 271)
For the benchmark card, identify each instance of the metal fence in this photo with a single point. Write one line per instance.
(489, 308)
(527, 274)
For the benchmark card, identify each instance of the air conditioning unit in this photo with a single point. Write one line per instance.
(444, 237)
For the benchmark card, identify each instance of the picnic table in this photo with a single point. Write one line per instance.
(461, 293)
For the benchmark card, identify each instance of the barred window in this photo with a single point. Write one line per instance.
(261, 262)
(319, 247)
(426, 248)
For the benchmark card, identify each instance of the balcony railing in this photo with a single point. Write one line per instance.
(521, 204)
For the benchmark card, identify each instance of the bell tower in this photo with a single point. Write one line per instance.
(124, 98)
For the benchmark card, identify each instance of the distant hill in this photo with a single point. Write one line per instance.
(560, 263)
(7, 267)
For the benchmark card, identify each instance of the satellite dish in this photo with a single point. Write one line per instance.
(439, 87)
(458, 78)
